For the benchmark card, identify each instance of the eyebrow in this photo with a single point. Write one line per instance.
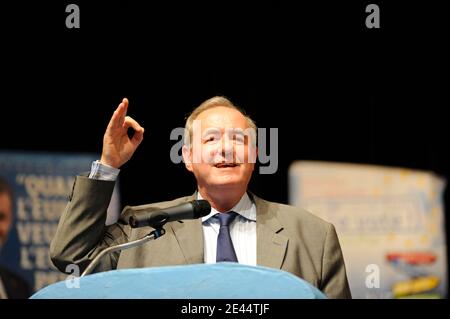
(234, 131)
(211, 130)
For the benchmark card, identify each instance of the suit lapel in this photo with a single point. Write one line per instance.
(271, 243)
(189, 236)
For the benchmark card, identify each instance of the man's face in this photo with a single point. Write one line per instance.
(219, 157)
(5, 217)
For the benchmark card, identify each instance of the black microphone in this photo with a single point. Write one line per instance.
(158, 217)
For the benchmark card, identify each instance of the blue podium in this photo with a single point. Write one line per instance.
(200, 281)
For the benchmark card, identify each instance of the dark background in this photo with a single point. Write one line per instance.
(336, 90)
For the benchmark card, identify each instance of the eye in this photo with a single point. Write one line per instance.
(209, 139)
(239, 139)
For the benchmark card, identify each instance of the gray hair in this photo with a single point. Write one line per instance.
(216, 101)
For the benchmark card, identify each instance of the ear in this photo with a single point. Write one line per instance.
(187, 157)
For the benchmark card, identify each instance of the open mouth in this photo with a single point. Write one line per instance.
(225, 165)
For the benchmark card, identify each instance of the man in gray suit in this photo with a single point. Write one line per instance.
(219, 153)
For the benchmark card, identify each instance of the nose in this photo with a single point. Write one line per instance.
(227, 149)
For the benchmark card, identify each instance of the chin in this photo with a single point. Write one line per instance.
(227, 183)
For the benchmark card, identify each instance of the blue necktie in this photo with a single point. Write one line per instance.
(225, 249)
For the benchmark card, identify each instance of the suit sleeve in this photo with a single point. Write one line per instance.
(334, 278)
(81, 233)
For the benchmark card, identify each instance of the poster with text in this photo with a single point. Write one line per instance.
(41, 184)
(390, 223)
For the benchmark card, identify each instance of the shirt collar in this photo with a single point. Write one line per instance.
(245, 208)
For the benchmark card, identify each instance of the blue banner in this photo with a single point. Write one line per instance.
(41, 184)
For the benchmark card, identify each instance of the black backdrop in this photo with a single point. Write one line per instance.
(336, 90)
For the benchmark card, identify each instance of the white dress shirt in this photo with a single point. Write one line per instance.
(103, 172)
(242, 232)
(242, 229)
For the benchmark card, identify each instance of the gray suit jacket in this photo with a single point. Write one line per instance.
(288, 238)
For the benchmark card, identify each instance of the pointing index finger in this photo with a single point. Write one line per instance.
(119, 114)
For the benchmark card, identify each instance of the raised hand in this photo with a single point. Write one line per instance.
(117, 146)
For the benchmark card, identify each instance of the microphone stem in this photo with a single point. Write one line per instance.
(153, 235)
